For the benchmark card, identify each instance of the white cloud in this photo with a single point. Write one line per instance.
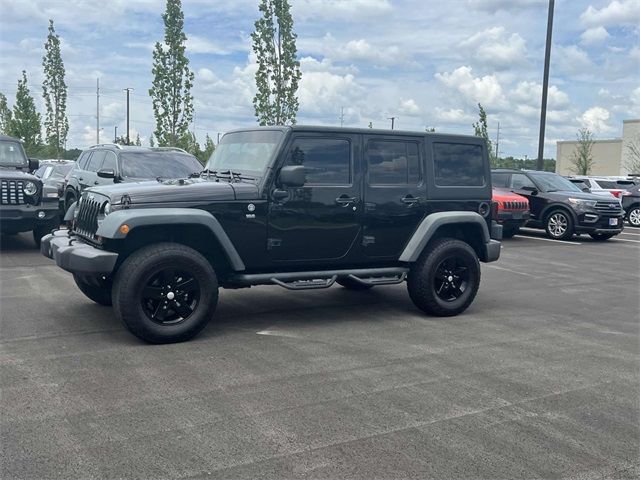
(494, 5)
(494, 46)
(323, 92)
(453, 115)
(486, 90)
(617, 13)
(332, 9)
(360, 50)
(593, 36)
(197, 44)
(595, 119)
(571, 60)
(530, 93)
(408, 107)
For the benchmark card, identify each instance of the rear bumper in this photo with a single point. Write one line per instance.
(515, 218)
(74, 256)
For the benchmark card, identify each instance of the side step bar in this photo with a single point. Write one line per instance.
(322, 279)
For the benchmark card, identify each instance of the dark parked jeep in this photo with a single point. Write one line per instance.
(25, 205)
(298, 207)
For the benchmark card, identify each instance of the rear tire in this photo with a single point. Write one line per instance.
(509, 232)
(100, 295)
(559, 225)
(602, 237)
(445, 279)
(633, 216)
(351, 284)
(165, 293)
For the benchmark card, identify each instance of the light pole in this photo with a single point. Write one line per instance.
(115, 134)
(128, 90)
(545, 87)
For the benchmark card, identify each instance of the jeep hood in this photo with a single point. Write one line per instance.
(176, 191)
(7, 174)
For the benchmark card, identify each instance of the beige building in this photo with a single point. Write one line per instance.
(610, 156)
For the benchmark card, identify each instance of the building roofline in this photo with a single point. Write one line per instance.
(604, 140)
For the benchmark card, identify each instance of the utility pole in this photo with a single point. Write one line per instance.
(97, 111)
(115, 134)
(341, 116)
(545, 87)
(497, 140)
(393, 121)
(128, 90)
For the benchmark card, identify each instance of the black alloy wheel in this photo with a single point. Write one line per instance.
(451, 278)
(170, 296)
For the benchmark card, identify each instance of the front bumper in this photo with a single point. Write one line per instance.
(597, 223)
(72, 255)
(25, 217)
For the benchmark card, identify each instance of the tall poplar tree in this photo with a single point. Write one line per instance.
(481, 130)
(278, 75)
(172, 80)
(54, 91)
(25, 121)
(5, 115)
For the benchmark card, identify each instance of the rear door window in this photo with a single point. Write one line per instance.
(110, 162)
(458, 164)
(83, 160)
(519, 180)
(393, 163)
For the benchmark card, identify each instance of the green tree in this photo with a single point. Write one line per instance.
(481, 130)
(25, 120)
(632, 148)
(152, 142)
(278, 75)
(5, 115)
(582, 158)
(54, 91)
(189, 143)
(430, 129)
(209, 148)
(138, 142)
(121, 140)
(172, 80)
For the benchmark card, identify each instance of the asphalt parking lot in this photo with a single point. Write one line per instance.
(539, 378)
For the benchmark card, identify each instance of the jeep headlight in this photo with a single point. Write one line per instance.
(30, 189)
(580, 202)
(107, 209)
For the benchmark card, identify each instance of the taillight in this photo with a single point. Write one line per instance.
(616, 193)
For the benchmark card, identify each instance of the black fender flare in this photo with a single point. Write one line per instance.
(557, 206)
(430, 225)
(134, 218)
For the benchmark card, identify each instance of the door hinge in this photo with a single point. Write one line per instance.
(368, 240)
(273, 242)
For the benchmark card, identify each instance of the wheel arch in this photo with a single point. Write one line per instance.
(469, 227)
(558, 206)
(197, 229)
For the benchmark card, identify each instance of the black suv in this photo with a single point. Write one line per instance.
(298, 207)
(109, 163)
(25, 205)
(561, 207)
(631, 205)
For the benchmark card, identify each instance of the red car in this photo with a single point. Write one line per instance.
(512, 211)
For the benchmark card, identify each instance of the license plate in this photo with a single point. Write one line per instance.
(517, 215)
(613, 221)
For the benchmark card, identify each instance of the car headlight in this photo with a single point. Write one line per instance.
(580, 202)
(30, 188)
(107, 208)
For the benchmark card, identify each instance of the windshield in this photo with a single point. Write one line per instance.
(550, 182)
(11, 154)
(158, 164)
(245, 151)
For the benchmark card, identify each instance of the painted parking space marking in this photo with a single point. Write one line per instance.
(624, 240)
(562, 242)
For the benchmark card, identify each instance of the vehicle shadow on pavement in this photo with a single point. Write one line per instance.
(17, 243)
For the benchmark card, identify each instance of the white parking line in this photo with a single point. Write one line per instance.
(624, 240)
(629, 233)
(563, 242)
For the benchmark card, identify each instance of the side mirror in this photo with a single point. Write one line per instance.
(533, 190)
(586, 189)
(34, 164)
(292, 176)
(107, 173)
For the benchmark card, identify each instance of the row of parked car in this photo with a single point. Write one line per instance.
(565, 206)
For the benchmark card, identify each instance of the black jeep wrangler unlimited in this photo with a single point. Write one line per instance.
(25, 204)
(299, 207)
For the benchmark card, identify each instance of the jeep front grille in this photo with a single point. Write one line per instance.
(516, 205)
(87, 221)
(11, 192)
(611, 207)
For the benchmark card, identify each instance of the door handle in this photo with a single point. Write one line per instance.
(345, 201)
(410, 200)
(81, 179)
(96, 182)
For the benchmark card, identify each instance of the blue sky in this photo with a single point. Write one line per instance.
(428, 63)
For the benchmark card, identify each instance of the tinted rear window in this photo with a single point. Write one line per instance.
(458, 164)
(500, 180)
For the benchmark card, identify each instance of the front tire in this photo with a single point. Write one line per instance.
(633, 217)
(446, 278)
(559, 225)
(165, 293)
(509, 232)
(99, 294)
